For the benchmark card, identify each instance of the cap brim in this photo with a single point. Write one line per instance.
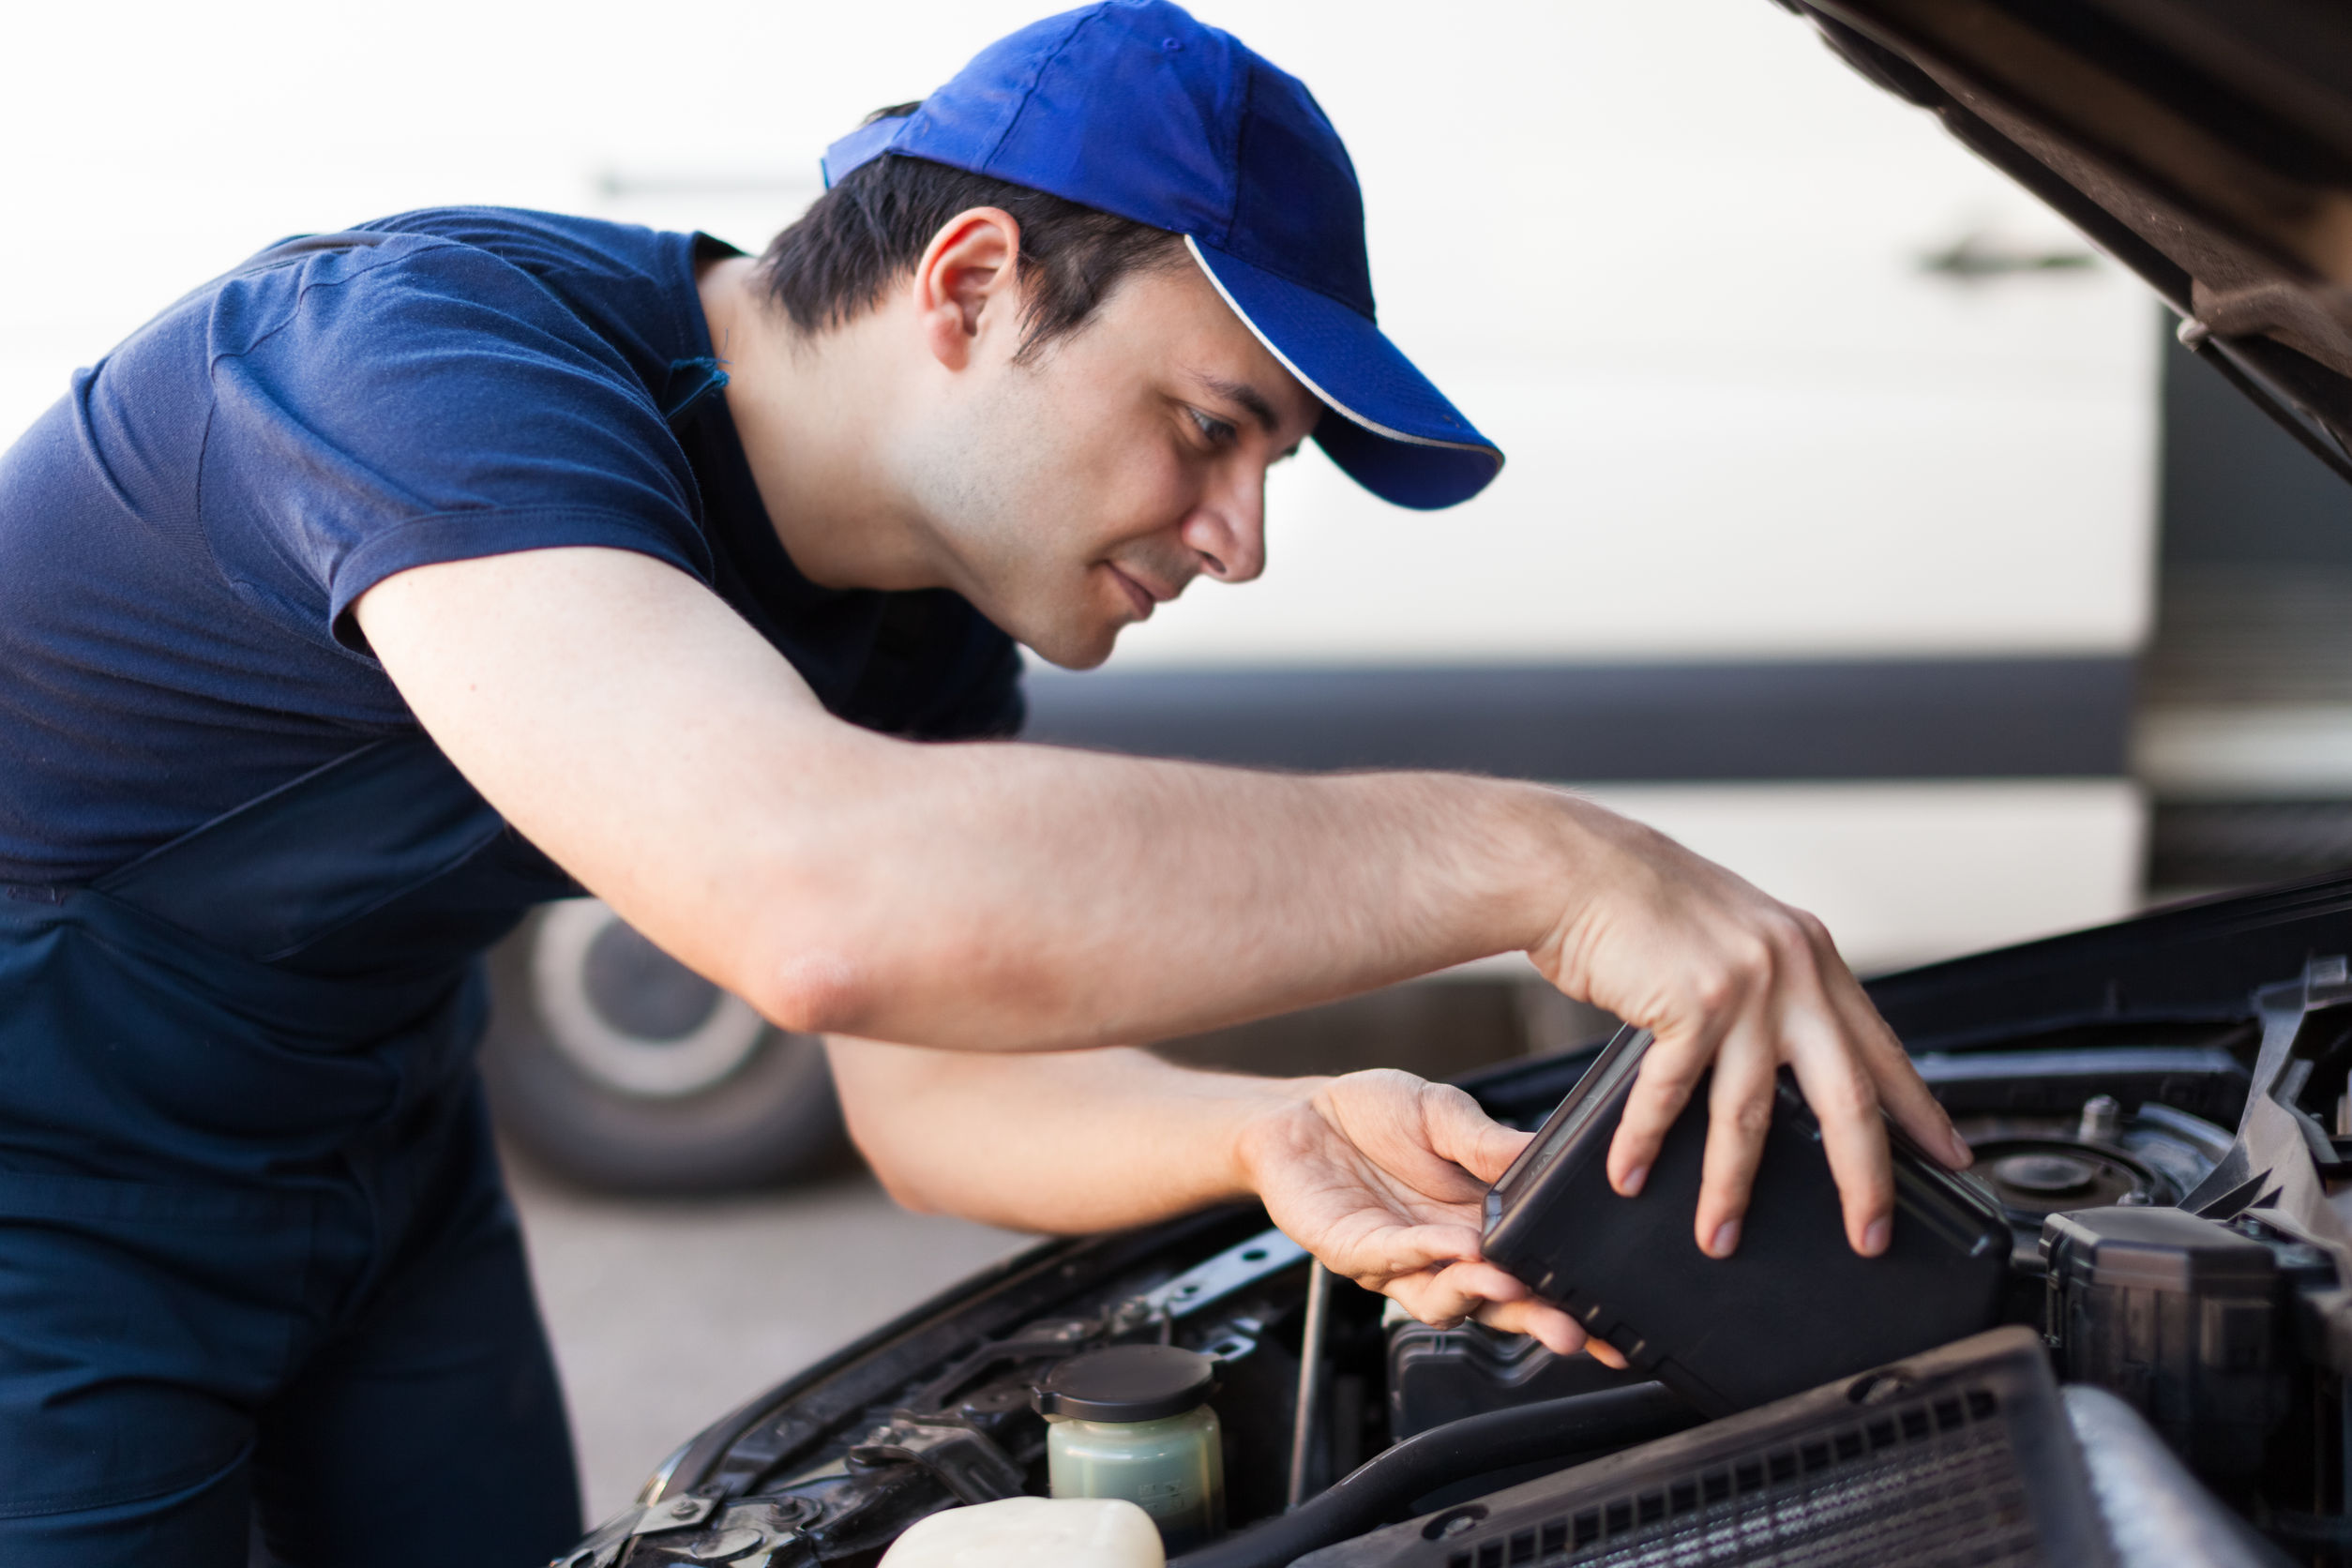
(1387, 427)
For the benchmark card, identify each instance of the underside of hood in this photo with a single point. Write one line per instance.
(2207, 145)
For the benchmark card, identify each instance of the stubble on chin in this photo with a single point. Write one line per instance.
(1081, 630)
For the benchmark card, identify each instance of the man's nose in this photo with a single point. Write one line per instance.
(1227, 530)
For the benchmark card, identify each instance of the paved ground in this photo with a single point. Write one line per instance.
(668, 1314)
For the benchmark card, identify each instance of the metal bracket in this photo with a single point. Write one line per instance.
(1234, 1269)
(1034, 1342)
(676, 1515)
(605, 1546)
(744, 1532)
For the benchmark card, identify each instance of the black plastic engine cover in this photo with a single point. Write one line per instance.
(1794, 1306)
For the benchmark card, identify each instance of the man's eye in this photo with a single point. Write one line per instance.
(1217, 430)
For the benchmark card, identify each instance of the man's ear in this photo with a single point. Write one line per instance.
(964, 287)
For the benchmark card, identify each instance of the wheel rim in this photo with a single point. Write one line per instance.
(629, 1015)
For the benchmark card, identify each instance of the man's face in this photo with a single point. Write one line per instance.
(1076, 491)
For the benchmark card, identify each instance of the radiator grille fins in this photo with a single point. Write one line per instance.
(1935, 1483)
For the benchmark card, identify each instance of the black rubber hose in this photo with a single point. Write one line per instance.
(1381, 1490)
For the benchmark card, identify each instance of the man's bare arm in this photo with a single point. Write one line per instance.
(1014, 897)
(982, 896)
(1380, 1174)
(1058, 1142)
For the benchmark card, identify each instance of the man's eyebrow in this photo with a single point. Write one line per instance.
(1244, 395)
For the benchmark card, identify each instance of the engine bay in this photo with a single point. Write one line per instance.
(2166, 1164)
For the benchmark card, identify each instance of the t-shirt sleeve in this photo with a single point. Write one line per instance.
(379, 409)
(990, 706)
(938, 670)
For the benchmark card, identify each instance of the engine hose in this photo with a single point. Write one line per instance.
(1383, 1489)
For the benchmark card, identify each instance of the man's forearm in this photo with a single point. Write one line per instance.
(1026, 897)
(1060, 1142)
(1378, 1174)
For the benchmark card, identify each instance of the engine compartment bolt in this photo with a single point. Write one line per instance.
(2103, 1117)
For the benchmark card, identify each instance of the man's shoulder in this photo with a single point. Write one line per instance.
(501, 262)
(424, 294)
(464, 272)
(630, 288)
(547, 244)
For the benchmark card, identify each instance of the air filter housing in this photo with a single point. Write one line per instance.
(1795, 1306)
(2183, 1317)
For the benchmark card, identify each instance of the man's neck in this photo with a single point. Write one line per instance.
(809, 410)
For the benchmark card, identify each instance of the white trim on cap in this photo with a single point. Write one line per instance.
(1309, 381)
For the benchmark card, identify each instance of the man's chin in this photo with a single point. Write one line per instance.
(1075, 648)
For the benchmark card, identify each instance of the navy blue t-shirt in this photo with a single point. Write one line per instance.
(182, 535)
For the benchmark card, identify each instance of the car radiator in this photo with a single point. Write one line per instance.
(1961, 1455)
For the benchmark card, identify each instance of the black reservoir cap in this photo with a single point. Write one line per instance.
(1127, 1382)
(2152, 1249)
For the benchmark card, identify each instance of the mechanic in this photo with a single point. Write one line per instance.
(408, 576)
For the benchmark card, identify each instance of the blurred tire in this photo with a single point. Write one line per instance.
(615, 1065)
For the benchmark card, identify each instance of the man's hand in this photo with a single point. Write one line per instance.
(1730, 980)
(1382, 1177)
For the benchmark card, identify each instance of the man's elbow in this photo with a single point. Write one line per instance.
(905, 1190)
(903, 1176)
(816, 992)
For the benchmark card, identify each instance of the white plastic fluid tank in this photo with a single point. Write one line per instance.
(1033, 1532)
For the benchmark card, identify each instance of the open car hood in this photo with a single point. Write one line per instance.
(2206, 144)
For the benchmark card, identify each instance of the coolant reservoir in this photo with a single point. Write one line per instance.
(1132, 1422)
(1032, 1532)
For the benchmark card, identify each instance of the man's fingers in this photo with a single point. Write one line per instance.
(1456, 1289)
(1901, 1089)
(1447, 1295)
(1459, 1131)
(1385, 1252)
(1710, 963)
(1845, 1100)
(1738, 1114)
(1552, 1327)
(1421, 1296)
(1669, 1074)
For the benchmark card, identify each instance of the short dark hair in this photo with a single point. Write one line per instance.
(873, 226)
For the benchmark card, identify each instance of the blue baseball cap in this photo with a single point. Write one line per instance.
(1134, 108)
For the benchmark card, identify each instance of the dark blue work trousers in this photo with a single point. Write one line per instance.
(176, 1380)
(262, 1293)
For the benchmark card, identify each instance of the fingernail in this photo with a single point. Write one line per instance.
(1875, 1237)
(1633, 1178)
(1961, 1156)
(1727, 1239)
